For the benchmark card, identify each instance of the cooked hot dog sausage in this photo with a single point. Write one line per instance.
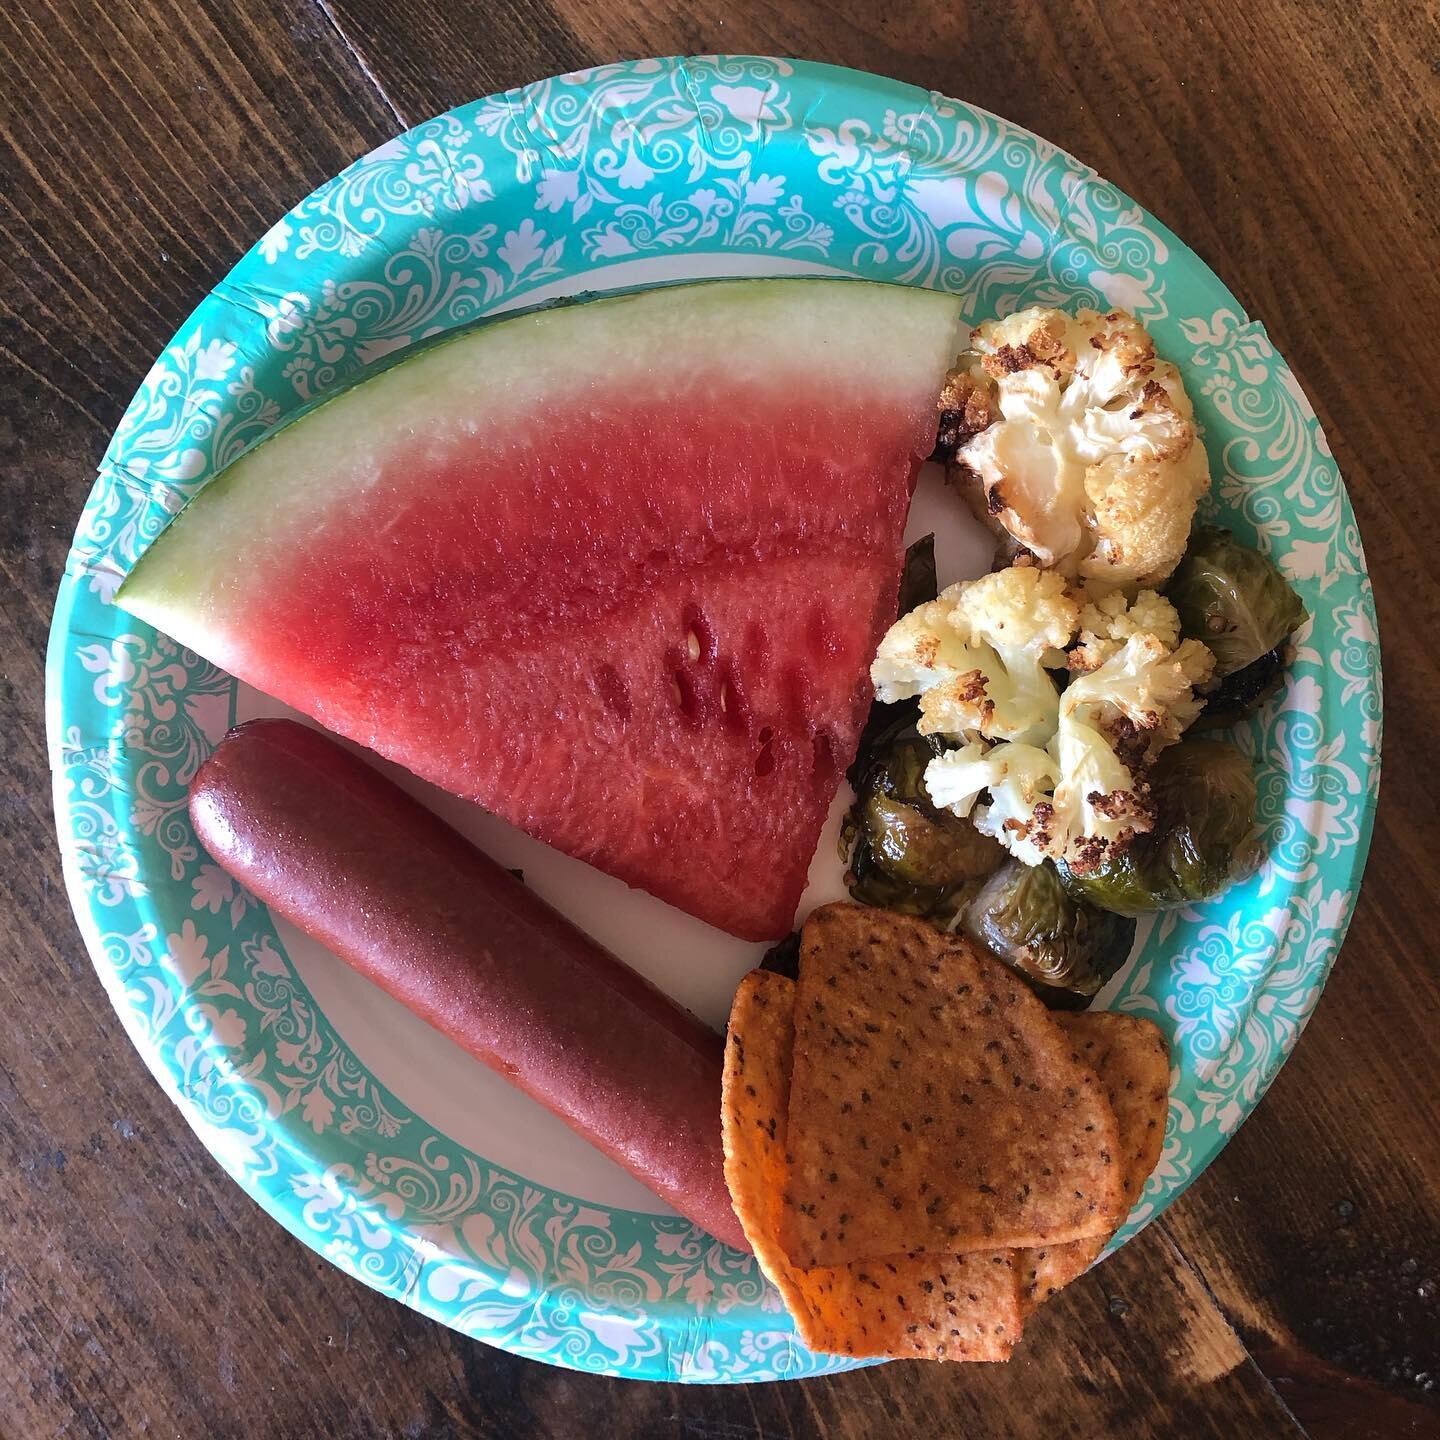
(372, 875)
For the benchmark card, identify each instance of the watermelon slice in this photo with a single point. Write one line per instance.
(613, 570)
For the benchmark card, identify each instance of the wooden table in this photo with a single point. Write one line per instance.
(1296, 1288)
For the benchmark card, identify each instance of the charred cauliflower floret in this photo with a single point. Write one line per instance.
(1143, 695)
(966, 406)
(1019, 781)
(1081, 794)
(1092, 466)
(978, 657)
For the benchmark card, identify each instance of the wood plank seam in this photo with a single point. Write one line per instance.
(327, 10)
(1182, 1258)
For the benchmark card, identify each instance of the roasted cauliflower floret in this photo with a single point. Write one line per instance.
(1145, 691)
(1019, 780)
(1094, 467)
(978, 655)
(1019, 609)
(966, 406)
(1084, 796)
(1108, 619)
(920, 651)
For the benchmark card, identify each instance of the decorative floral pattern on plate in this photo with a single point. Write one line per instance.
(705, 157)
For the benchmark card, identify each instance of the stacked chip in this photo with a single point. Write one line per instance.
(918, 1150)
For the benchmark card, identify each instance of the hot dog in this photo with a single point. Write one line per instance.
(372, 875)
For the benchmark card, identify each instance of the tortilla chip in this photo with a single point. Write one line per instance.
(935, 1105)
(1132, 1061)
(754, 1095)
(925, 1307)
(944, 1307)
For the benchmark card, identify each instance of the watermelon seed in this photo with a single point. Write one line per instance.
(824, 748)
(685, 697)
(699, 638)
(733, 707)
(765, 760)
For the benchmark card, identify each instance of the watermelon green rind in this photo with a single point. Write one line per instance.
(170, 581)
(485, 562)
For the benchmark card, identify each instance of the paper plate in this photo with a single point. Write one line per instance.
(385, 1148)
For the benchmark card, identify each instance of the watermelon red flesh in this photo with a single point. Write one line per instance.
(704, 778)
(633, 616)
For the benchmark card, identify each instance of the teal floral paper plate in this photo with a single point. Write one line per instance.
(621, 175)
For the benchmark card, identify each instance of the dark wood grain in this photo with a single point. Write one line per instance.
(1293, 1290)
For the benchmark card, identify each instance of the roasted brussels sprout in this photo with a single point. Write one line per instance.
(904, 854)
(1202, 843)
(783, 957)
(1064, 948)
(1232, 599)
(922, 849)
(884, 723)
(1240, 695)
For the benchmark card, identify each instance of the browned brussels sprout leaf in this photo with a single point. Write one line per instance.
(783, 957)
(1203, 841)
(885, 722)
(1233, 599)
(918, 581)
(1064, 948)
(1240, 695)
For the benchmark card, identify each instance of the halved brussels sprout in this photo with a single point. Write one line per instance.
(904, 854)
(1233, 599)
(1062, 947)
(1204, 837)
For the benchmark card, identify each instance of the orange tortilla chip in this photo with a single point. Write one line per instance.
(916, 1307)
(1132, 1061)
(944, 1307)
(935, 1106)
(753, 1099)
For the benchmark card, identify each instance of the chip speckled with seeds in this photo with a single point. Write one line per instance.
(1132, 1062)
(935, 1105)
(938, 1307)
(918, 1307)
(753, 1098)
